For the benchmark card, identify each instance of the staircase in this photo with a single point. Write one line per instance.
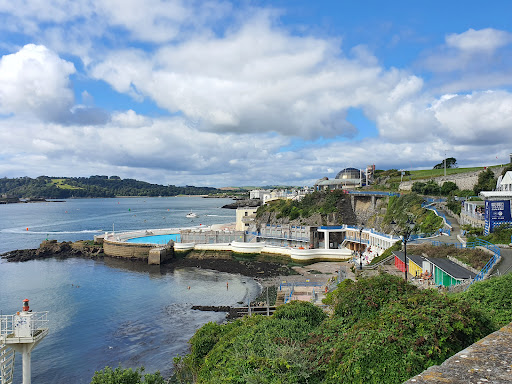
(6, 363)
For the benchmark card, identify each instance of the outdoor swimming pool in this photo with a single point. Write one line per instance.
(156, 239)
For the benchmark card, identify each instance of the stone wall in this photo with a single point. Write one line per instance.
(126, 250)
(487, 361)
(463, 180)
(159, 255)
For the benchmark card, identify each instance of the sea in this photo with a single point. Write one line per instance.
(111, 312)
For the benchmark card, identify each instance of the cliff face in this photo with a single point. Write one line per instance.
(343, 214)
(364, 211)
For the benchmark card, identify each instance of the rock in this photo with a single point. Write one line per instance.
(52, 248)
(244, 203)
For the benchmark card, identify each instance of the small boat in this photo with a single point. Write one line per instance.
(191, 215)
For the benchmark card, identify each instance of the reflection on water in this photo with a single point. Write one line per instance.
(114, 311)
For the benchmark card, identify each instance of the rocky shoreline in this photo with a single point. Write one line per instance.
(51, 248)
(87, 250)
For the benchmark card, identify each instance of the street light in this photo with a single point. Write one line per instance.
(405, 233)
(360, 247)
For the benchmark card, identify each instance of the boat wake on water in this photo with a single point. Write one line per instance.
(29, 231)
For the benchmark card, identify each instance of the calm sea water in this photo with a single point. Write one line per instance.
(113, 311)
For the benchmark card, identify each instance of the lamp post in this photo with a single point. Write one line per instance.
(405, 233)
(360, 247)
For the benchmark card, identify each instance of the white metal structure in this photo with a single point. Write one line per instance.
(20, 333)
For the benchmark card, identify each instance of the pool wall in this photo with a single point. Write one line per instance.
(115, 245)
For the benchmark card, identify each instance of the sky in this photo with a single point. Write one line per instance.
(251, 93)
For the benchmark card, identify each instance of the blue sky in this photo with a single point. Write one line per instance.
(254, 92)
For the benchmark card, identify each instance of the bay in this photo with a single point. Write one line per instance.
(111, 311)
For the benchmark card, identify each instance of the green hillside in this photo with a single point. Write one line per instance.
(93, 186)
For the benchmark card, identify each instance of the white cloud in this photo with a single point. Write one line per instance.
(483, 40)
(472, 60)
(35, 81)
(130, 119)
(480, 117)
(241, 89)
(258, 79)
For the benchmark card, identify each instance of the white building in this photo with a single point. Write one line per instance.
(505, 182)
(245, 217)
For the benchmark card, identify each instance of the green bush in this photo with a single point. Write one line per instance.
(382, 330)
(385, 331)
(126, 376)
(454, 205)
(486, 182)
(494, 297)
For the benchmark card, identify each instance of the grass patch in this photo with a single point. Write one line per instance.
(61, 183)
(476, 258)
(429, 173)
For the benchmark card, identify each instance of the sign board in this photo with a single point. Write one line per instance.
(497, 212)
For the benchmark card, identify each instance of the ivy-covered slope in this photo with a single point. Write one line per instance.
(317, 208)
(382, 330)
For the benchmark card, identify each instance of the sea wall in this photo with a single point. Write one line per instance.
(126, 250)
(159, 255)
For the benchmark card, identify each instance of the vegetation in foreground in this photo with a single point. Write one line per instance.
(382, 330)
(126, 376)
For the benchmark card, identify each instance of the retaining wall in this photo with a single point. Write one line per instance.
(463, 180)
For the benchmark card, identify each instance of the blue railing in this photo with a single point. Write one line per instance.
(356, 239)
(426, 205)
(479, 243)
(289, 297)
(436, 200)
(304, 284)
(375, 193)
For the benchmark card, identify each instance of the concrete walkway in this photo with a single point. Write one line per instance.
(505, 265)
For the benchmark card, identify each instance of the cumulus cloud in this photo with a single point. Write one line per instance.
(483, 40)
(480, 117)
(258, 78)
(35, 81)
(471, 60)
(242, 88)
(130, 119)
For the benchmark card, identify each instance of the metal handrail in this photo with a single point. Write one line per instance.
(479, 243)
(38, 321)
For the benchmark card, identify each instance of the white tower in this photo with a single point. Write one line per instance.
(20, 333)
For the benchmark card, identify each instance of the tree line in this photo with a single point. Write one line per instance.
(93, 186)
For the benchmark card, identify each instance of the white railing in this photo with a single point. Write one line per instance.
(38, 321)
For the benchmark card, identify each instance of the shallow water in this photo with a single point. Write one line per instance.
(111, 311)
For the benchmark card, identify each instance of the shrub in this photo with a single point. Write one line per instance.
(494, 297)
(126, 376)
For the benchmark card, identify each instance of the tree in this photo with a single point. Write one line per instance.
(486, 182)
(448, 186)
(431, 188)
(451, 162)
(126, 376)
(418, 187)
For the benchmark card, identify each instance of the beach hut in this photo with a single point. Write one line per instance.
(415, 264)
(448, 273)
(400, 263)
